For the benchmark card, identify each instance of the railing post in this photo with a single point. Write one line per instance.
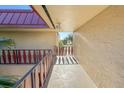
(19, 57)
(34, 73)
(16, 55)
(42, 74)
(24, 56)
(24, 83)
(36, 77)
(40, 55)
(32, 79)
(37, 55)
(34, 56)
(45, 67)
(29, 56)
(4, 56)
(8, 56)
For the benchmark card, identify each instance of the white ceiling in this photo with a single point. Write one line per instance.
(72, 17)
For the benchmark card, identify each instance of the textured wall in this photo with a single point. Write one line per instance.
(99, 47)
(31, 39)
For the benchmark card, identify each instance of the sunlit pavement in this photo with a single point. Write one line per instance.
(70, 76)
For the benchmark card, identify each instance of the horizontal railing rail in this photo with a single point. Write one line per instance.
(22, 56)
(37, 76)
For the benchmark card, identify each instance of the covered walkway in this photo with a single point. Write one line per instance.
(69, 75)
(31, 37)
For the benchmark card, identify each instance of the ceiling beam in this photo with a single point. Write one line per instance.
(40, 10)
(47, 12)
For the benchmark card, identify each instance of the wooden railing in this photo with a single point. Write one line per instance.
(37, 76)
(63, 51)
(22, 56)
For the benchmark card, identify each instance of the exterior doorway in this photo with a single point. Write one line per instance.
(65, 43)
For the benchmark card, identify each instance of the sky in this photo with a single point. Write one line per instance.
(25, 7)
(64, 34)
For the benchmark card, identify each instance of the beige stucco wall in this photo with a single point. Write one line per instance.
(31, 40)
(99, 47)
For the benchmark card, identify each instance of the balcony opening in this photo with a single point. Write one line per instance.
(65, 38)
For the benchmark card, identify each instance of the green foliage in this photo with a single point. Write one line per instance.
(7, 43)
(61, 44)
(7, 81)
(69, 38)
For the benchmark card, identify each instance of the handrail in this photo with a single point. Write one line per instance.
(37, 75)
(29, 72)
